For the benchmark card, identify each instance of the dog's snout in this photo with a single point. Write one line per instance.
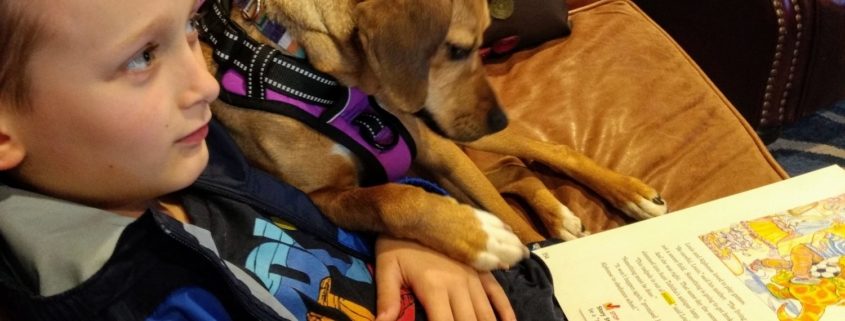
(496, 119)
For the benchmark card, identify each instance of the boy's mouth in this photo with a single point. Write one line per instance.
(195, 137)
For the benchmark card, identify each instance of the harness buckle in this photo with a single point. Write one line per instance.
(251, 10)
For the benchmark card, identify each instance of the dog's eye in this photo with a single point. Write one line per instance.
(458, 53)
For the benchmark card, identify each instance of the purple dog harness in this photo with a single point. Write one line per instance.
(258, 76)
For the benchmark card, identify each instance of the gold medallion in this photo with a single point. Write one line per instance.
(501, 9)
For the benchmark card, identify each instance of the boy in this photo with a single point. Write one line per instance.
(121, 199)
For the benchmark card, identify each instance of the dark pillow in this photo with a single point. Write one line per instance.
(521, 24)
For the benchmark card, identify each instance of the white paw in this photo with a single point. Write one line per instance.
(503, 247)
(572, 227)
(645, 209)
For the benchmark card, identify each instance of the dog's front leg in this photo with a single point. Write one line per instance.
(445, 160)
(467, 234)
(628, 194)
(511, 177)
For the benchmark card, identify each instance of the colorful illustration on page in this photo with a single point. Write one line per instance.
(793, 260)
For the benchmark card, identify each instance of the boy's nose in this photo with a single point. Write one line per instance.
(203, 87)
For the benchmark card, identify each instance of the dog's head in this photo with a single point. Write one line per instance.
(424, 56)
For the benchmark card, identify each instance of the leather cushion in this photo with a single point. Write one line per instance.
(624, 93)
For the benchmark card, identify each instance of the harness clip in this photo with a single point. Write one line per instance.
(251, 10)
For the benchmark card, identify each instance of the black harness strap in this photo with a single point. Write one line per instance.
(262, 64)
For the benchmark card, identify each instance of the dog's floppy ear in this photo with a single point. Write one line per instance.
(399, 38)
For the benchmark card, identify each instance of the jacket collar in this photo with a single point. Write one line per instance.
(58, 244)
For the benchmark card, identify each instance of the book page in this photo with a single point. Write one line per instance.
(772, 253)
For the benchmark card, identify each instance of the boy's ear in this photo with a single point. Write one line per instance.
(11, 150)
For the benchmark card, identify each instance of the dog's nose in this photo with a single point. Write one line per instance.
(496, 119)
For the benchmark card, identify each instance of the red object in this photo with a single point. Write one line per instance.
(484, 52)
(506, 44)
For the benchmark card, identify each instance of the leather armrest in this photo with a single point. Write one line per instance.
(824, 76)
(775, 60)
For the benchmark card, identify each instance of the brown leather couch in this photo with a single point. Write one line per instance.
(776, 60)
(622, 91)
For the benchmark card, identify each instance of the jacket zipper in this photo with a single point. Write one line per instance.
(253, 306)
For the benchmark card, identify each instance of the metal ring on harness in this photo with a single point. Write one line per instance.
(251, 11)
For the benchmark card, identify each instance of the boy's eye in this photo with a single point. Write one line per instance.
(142, 60)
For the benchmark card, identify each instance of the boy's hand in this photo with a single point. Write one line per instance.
(447, 289)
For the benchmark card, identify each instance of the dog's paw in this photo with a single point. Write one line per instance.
(503, 247)
(634, 198)
(558, 219)
(572, 227)
(643, 208)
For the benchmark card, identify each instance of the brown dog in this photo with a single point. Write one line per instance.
(419, 59)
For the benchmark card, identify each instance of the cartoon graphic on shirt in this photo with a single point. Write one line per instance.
(348, 308)
(792, 260)
(305, 279)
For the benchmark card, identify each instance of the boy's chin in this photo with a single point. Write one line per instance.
(190, 169)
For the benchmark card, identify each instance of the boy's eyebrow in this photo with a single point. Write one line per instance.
(154, 26)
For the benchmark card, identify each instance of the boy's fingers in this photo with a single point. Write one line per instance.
(388, 287)
(497, 297)
(463, 308)
(436, 304)
(480, 301)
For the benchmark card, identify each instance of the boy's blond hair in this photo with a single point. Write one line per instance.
(21, 31)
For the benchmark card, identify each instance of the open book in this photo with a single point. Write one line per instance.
(773, 253)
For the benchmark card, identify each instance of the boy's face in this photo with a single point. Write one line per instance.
(120, 96)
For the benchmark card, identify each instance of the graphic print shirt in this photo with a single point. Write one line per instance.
(314, 278)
